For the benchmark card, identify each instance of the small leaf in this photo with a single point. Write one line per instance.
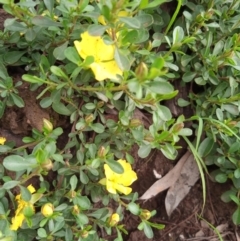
(25, 193)
(10, 184)
(96, 30)
(148, 230)
(72, 55)
(164, 113)
(58, 72)
(153, 4)
(133, 208)
(61, 109)
(17, 100)
(115, 166)
(206, 146)
(121, 59)
(18, 163)
(236, 216)
(178, 34)
(73, 182)
(131, 22)
(98, 127)
(58, 52)
(43, 21)
(160, 87)
(144, 150)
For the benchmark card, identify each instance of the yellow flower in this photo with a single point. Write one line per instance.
(119, 182)
(2, 140)
(114, 219)
(47, 210)
(19, 216)
(104, 65)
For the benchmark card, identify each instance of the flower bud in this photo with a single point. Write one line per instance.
(75, 210)
(100, 104)
(177, 127)
(114, 219)
(141, 71)
(84, 234)
(89, 118)
(47, 125)
(145, 214)
(47, 165)
(102, 152)
(71, 194)
(148, 45)
(135, 123)
(148, 138)
(47, 210)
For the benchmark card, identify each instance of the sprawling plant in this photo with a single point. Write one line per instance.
(103, 65)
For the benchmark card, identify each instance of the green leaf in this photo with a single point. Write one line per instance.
(13, 56)
(147, 230)
(143, 4)
(58, 52)
(133, 208)
(18, 163)
(83, 177)
(122, 60)
(83, 202)
(33, 79)
(42, 233)
(3, 71)
(158, 63)
(46, 102)
(72, 55)
(115, 166)
(131, 22)
(5, 1)
(25, 193)
(188, 76)
(164, 113)
(96, 29)
(98, 127)
(44, 21)
(30, 35)
(153, 4)
(17, 100)
(236, 216)
(183, 103)
(58, 72)
(156, 225)
(61, 109)
(160, 87)
(178, 34)
(82, 219)
(206, 147)
(73, 182)
(61, 207)
(144, 150)
(49, 5)
(10, 184)
(221, 178)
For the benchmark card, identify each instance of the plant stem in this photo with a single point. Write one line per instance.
(173, 17)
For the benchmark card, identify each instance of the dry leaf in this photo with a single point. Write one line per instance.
(189, 174)
(167, 181)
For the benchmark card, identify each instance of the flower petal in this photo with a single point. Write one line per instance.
(106, 70)
(123, 189)
(31, 188)
(111, 187)
(17, 222)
